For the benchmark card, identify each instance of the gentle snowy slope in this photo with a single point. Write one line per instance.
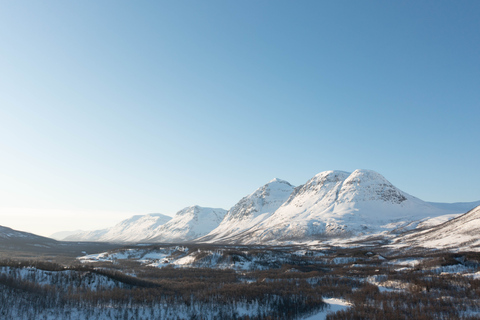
(250, 211)
(337, 203)
(462, 233)
(188, 224)
(136, 228)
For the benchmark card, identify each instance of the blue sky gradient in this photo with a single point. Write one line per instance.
(127, 107)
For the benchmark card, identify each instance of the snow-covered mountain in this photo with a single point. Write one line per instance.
(136, 228)
(337, 203)
(331, 204)
(250, 211)
(94, 235)
(461, 233)
(188, 224)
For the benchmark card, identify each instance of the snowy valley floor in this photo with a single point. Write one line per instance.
(241, 282)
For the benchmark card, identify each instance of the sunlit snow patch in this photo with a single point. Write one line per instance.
(333, 305)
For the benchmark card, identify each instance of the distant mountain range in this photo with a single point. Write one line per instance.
(187, 224)
(133, 229)
(342, 204)
(331, 204)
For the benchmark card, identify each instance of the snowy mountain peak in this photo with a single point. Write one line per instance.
(132, 229)
(189, 223)
(198, 213)
(330, 175)
(324, 180)
(324, 187)
(368, 185)
(339, 203)
(265, 199)
(276, 180)
(252, 210)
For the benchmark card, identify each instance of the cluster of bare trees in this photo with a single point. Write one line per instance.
(192, 293)
(292, 290)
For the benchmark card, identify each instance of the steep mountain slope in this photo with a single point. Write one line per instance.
(188, 224)
(462, 233)
(250, 211)
(337, 203)
(136, 228)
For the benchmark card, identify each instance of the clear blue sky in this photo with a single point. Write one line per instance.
(110, 108)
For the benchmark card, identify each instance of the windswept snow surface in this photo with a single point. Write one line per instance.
(250, 211)
(338, 203)
(188, 224)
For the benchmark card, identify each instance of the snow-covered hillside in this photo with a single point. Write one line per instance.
(250, 211)
(136, 228)
(337, 203)
(461, 233)
(188, 224)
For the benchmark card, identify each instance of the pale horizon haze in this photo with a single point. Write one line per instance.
(114, 108)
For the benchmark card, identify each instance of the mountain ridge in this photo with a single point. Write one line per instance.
(332, 203)
(338, 203)
(251, 210)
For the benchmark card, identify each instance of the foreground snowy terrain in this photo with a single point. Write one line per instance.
(244, 282)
